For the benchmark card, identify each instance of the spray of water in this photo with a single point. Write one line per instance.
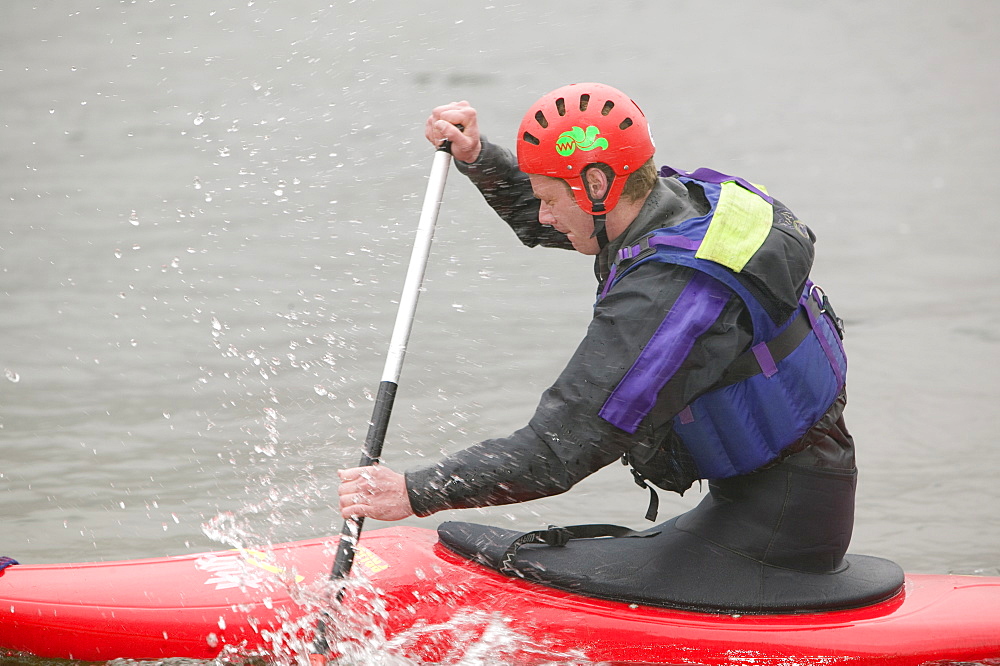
(360, 627)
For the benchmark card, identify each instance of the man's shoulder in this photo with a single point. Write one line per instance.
(647, 285)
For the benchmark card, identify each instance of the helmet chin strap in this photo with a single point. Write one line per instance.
(600, 225)
(598, 209)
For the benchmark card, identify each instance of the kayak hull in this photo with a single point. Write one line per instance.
(426, 603)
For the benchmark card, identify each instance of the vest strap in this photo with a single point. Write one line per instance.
(749, 363)
(767, 364)
(707, 175)
(646, 246)
(814, 311)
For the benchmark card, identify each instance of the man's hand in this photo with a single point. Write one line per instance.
(442, 124)
(373, 492)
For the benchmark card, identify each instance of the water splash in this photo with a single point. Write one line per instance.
(359, 638)
(361, 629)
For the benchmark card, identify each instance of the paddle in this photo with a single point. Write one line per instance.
(351, 532)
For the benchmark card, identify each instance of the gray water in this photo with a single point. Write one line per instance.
(207, 209)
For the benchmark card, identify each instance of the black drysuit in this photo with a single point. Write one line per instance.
(565, 440)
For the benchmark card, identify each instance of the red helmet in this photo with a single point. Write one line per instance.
(582, 124)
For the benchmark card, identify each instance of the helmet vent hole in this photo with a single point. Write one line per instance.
(584, 102)
(540, 117)
(531, 139)
(607, 107)
(625, 124)
(561, 106)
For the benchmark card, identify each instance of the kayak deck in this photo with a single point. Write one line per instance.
(198, 605)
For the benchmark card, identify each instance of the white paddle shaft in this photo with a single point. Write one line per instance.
(418, 264)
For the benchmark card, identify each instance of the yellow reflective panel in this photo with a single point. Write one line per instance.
(739, 227)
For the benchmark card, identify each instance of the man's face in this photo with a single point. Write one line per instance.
(560, 211)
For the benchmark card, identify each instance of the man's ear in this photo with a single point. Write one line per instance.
(597, 183)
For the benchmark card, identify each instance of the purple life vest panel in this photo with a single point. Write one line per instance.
(745, 424)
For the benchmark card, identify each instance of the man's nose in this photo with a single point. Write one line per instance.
(545, 215)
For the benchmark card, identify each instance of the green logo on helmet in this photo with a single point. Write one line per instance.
(568, 142)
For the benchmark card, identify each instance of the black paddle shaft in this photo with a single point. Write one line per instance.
(373, 450)
(351, 531)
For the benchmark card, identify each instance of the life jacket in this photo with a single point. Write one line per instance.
(792, 373)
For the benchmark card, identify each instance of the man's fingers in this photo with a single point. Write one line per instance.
(353, 506)
(448, 131)
(373, 492)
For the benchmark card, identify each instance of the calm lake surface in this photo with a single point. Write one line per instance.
(206, 210)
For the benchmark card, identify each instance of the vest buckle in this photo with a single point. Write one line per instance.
(633, 253)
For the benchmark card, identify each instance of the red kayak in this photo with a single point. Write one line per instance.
(423, 601)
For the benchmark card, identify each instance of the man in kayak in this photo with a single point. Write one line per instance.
(711, 355)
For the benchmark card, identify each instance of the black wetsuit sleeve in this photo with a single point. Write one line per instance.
(508, 191)
(566, 440)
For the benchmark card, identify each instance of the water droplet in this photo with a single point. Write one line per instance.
(199, 119)
(133, 218)
(118, 253)
(197, 183)
(11, 375)
(320, 390)
(256, 86)
(224, 151)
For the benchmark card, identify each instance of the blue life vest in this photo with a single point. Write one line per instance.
(792, 373)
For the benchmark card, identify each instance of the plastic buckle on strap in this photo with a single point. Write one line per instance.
(645, 249)
(555, 536)
(640, 250)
